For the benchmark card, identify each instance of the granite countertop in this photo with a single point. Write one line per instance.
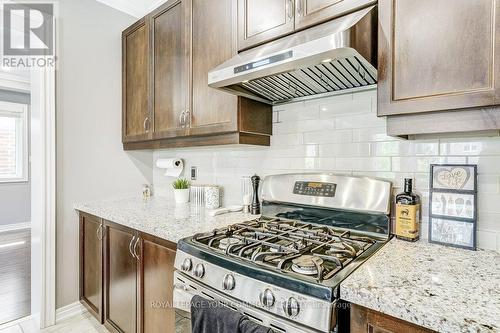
(441, 288)
(160, 217)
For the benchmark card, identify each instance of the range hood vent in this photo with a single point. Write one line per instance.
(323, 79)
(318, 62)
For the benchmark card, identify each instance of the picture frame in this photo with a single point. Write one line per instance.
(453, 205)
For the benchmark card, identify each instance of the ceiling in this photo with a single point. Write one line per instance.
(136, 8)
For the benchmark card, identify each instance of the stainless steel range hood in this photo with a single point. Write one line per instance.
(332, 58)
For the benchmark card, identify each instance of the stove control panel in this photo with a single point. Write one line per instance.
(280, 301)
(316, 189)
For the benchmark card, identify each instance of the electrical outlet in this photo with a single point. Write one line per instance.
(193, 173)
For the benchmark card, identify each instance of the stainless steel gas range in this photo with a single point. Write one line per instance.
(284, 268)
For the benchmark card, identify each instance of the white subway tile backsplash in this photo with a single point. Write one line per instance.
(498, 243)
(334, 136)
(421, 164)
(309, 125)
(472, 146)
(363, 120)
(488, 184)
(486, 164)
(489, 203)
(364, 163)
(487, 239)
(342, 134)
(291, 112)
(345, 150)
(405, 148)
(283, 140)
(488, 221)
(329, 110)
(371, 135)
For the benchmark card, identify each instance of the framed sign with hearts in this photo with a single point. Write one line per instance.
(453, 205)
(453, 177)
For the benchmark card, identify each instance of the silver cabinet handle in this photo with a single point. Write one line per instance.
(146, 124)
(181, 119)
(289, 6)
(100, 232)
(300, 7)
(187, 118)
(135, 249)
(130, 246)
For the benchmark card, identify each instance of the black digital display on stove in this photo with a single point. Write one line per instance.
(317, 189)
(263, 62)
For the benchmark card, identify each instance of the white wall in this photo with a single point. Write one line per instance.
(343, 134)
(91, 163)
(15, 198)
(15, 203)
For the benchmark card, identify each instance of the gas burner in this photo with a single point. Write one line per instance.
(286, 245)
(224, 243)
(307, 264)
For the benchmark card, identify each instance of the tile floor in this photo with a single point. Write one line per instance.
(83, 323)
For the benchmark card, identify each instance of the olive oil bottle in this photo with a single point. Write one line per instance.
(407, 213)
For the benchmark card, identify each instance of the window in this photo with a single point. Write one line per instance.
(13, 142)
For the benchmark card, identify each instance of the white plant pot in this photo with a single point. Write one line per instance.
(181, 196)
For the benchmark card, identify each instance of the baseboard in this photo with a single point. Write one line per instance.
(69, 311)
(14, 323)
(15, 226)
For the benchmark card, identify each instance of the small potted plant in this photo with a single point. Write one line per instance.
(181, 190)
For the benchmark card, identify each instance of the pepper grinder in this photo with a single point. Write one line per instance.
(255, 207)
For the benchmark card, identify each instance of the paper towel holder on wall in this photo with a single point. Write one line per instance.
(173, 166)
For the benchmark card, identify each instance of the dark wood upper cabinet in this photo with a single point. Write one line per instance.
(262, 20)
(312, 12)
(121, 279)
(212, 44)
(91, 255)
(170, 25)
(157, 279)
(188, 38)
(364, 320)
(136, 119)
(437, 55)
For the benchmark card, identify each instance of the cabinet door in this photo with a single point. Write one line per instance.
(121, 280)
(170, 26)
(91, 273)
(438, 55)
(136, 110)
(157, 281)
(311, 12)
(364, 320)
(213, 111)
(260, 21)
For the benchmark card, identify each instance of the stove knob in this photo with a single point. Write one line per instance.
(199, 270)
(228, 283)
(291, 307)
(267, 298)
(187, 264)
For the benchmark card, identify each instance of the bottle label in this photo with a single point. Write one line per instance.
(407, 221)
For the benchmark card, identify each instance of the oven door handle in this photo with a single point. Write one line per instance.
(182, 296)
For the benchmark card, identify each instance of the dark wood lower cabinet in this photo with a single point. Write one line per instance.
(364, 320)
(121, 280)
(157, 280)
(126, 277)
(91, 274)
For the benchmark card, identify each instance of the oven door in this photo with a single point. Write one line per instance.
(185, 288)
